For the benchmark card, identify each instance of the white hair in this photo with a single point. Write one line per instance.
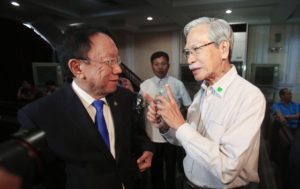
(219, 30)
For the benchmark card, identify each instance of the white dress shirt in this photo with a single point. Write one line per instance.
(156, 86)
(222, 134)
(87, 101)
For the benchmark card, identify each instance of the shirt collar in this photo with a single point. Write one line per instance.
(222, 85)
(157, 79)
(84, 96)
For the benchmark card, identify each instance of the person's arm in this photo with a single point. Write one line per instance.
(145, 160)
(294, 116)
(278, 116)
(24, 120)
(126, 83)
(169, 110)
(156, 120)
(227, 157)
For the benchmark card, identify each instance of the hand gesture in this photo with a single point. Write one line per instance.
(168, 109)
(152, 115)
(124, 82)
(144, 162)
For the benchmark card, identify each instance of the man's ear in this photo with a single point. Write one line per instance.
(75, 67)
(224, 48)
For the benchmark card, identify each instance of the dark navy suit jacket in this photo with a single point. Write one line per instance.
(73, 139)
(294, 163)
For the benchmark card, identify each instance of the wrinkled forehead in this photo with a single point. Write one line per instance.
(102, 45)
(160, 59)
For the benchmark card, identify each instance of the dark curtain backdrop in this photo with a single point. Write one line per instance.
(20, 47)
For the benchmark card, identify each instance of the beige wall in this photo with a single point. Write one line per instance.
(145, 45)
(136, 50)
(269, 57)
(260, 39)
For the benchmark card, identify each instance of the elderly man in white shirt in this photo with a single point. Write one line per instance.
(221, 135)
(165, 153)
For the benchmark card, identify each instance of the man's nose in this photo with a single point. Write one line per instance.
(117, 69)
(191, 58)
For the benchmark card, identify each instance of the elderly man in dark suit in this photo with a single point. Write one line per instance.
(87, 159)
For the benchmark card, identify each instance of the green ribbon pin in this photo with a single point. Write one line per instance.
(219, 89)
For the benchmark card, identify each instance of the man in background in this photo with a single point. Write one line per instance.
(286, 111)
(165, 153)
(51, 87)
(28, 92)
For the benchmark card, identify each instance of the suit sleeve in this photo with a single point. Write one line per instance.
(25, 121)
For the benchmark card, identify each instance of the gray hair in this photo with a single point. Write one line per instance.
(219, 30)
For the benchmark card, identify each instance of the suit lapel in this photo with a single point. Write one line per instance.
(115, 108)
(83, 122)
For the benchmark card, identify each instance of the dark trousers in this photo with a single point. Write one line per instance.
(163, 164)
(143, 182)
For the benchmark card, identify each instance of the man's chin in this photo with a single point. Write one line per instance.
(113, 89)
(199, 77)
(161, 75)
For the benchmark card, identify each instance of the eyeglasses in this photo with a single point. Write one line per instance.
(110, 63)
(194, 50)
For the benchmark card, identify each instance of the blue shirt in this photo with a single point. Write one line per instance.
(287, 109)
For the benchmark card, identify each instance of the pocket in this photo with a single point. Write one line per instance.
(215, 129)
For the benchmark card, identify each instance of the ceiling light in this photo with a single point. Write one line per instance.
(149, 18)
(28, 25)
(76, 24)
(228, 11)
(14, 3)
